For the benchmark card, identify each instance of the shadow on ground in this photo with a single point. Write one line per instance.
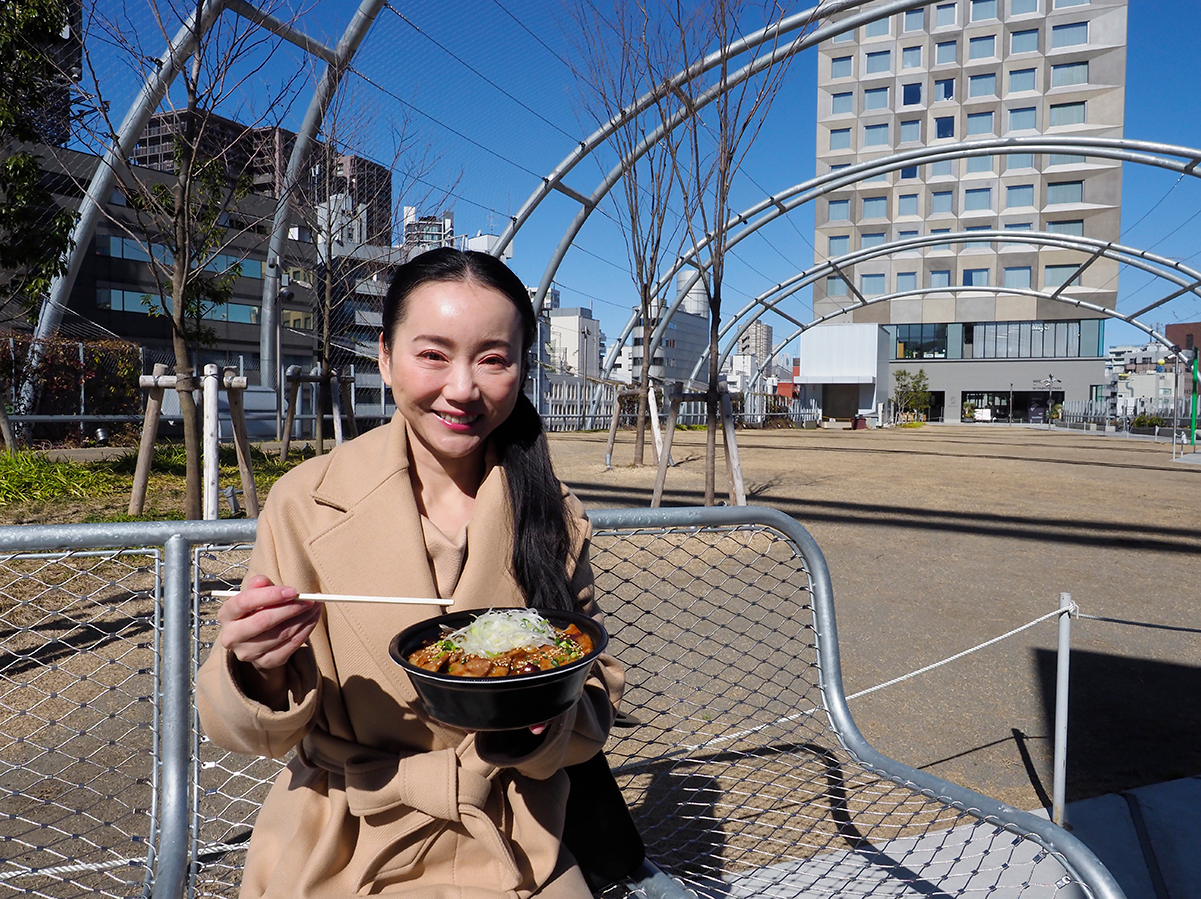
(1131, 722)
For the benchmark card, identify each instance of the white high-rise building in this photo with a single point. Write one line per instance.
(973, 70)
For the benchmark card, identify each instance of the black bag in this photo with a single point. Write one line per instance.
(598, 828)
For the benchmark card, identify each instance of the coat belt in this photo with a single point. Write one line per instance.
(434, 784)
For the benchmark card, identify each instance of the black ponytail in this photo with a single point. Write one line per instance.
(541, 532)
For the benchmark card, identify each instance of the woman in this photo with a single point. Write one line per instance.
(455, 497)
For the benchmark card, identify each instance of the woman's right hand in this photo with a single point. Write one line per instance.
(264, 624)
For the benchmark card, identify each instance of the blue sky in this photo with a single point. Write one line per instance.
(486, 87)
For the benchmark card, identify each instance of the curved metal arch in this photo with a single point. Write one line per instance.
(1183, 276)
(104, 177)
(776, 205)
(553, 181)
(323, 94)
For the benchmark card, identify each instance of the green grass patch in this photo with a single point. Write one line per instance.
(32, 477)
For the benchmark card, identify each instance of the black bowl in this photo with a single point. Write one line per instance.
(496, 703)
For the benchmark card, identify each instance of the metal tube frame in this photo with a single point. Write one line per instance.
(178, 735)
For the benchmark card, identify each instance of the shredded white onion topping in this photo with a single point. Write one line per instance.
(499, 631)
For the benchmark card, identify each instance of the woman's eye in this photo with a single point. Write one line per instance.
(496, 360)
(431, 355)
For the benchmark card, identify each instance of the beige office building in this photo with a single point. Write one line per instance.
(969, 70)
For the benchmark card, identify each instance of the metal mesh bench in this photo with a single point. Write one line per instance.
(744, 770)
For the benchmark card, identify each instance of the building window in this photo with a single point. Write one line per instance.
(944, 52)
(910, 171)
(840, 67)
(876, 98)
(979, 123)
(944, 167)
(1057, 275)
(906, 281)
(1021, 80)
(944, 89)
(1074, 228)
(944, 126)
(836, 287)
(984, 47)
(1024, 119)
(1022, 7)
(1065, 159)
(907, 204)
(1019, 161)
(911, 58)
(1062, 192)
(1017, 276)
(982, 85)
(1062, 4)
(1072, 35)
(944, 15)
(875, 135)
(840, 210)
(840, 139)
(977, 164)
(875, 207)
(911, 131)
(873, 239)
(1067, 114)
(975, 277)
(977, 199)
(983, 10)
(871, 285)
(840, 103)
(1024, 41)
(1018, 226)
(940, 278)
(911, 94)
(878, 28)
(882, 177)
(880, 61)
(940, 246)
(1019, 195)
(838, 245)
(907, 235)
(843, 36)
(941, 201)
(1069, 74)
(915, 19)
(925, 341)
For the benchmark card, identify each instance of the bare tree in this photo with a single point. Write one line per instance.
(347, 205)
(627, 52)
(187, 223)
(718, 138)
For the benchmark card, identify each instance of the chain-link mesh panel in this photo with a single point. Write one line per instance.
(78, 686)
(230, 788)
(735, 778)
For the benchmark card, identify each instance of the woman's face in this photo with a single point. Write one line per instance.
(454, 366)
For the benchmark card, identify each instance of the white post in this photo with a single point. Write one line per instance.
(1063, 659)
(212, 434)
(656, 433)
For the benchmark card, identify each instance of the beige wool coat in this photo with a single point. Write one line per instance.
(377, 797)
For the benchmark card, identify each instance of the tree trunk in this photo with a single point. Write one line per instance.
(188, 411)
(640, 427)
(711, 401)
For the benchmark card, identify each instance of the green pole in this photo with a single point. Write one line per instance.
(1196, 388)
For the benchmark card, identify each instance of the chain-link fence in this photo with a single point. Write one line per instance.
(744, 772)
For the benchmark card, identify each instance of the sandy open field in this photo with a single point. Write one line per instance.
(943, 537)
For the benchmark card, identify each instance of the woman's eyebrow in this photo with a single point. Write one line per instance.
(443, 341)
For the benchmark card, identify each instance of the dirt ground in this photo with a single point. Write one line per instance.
(944, 537)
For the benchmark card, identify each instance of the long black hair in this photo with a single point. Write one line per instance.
(541, 536)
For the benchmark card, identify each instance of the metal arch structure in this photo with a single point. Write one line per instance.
(1182, 160)
(1185, 278)
(554, 180)
(153, 90)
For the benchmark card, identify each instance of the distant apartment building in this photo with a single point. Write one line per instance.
(575, 342)
(961, 71)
